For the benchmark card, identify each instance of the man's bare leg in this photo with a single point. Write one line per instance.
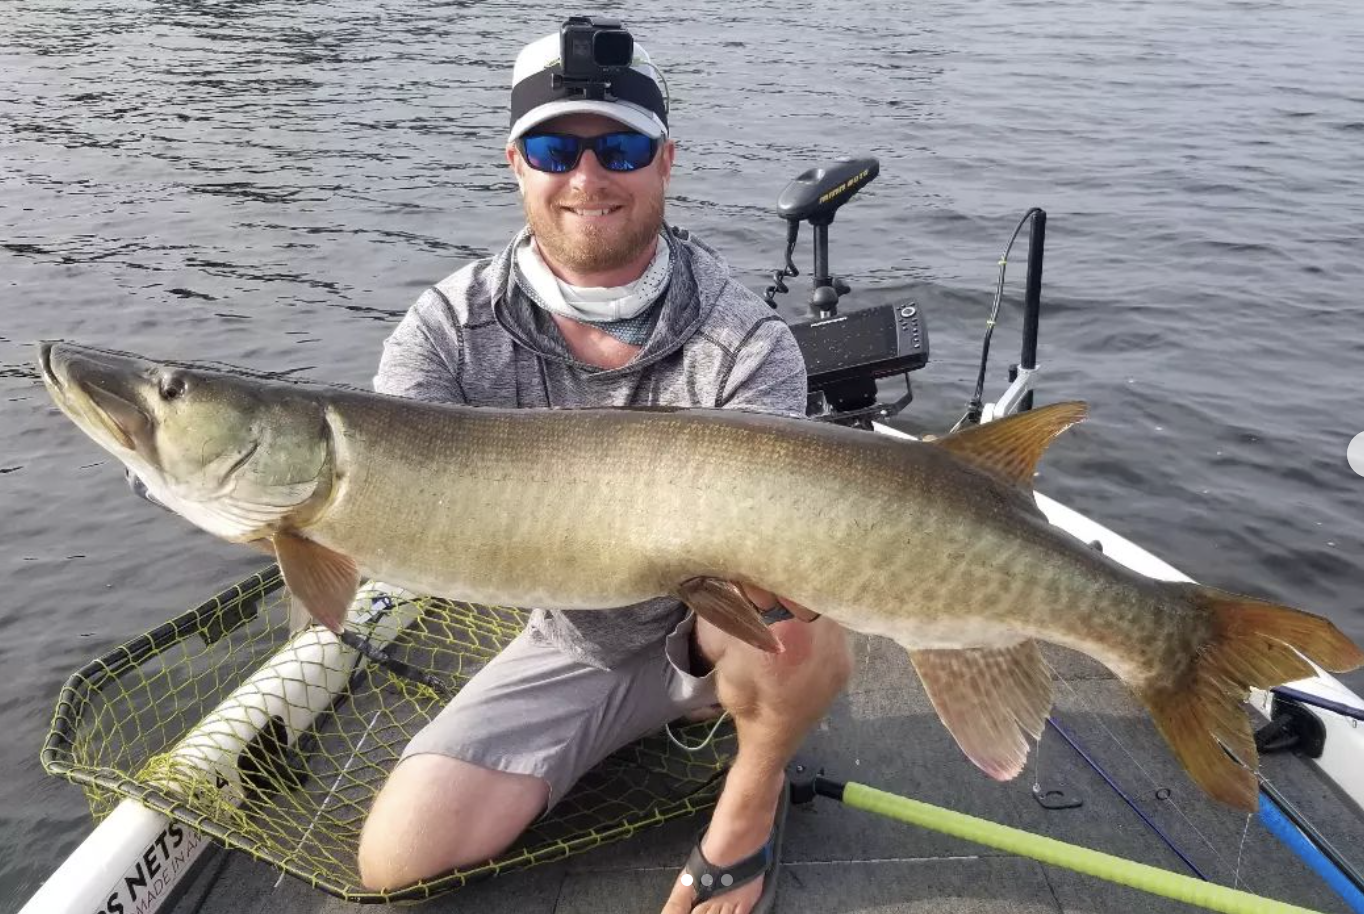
(775, 700)
(437, 813)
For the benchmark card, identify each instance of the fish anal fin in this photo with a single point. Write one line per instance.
(324, 581)
(989, 698)
(1010, 448)
(723, 604)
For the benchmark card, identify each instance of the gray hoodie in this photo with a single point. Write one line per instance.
(477, 338)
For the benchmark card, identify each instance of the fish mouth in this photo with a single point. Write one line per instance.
(45, 348)
(123, 419)
(96, 389)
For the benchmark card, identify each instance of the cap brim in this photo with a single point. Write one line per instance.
(631, 116)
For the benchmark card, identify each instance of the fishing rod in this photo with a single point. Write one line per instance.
(1074, 743)
(808, 782)
(1315, 701)
(1291, 827)
(1279, 817)
(1291, 726)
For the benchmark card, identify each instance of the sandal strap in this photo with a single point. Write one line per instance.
(707, 880)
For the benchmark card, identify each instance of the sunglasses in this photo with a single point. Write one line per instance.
(625, 150)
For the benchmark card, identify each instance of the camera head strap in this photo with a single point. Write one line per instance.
(548, 86)
(592, 66)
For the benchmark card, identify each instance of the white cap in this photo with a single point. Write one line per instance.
(644, 107)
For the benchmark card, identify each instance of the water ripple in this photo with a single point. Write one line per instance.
(270, 184)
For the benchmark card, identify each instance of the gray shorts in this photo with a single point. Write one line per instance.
(535, 710)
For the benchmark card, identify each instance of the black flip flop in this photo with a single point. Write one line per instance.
(708, 880)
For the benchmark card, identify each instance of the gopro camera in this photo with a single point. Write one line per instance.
(593, 51)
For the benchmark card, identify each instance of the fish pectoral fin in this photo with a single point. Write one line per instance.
(324, 581)
(723, 604)
(1011, 447)
(988, 698)
(299, 617)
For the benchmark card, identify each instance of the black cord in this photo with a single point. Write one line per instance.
(976, 407)
(780, 276)
(397, 667)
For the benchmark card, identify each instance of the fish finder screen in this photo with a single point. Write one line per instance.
(851, 339)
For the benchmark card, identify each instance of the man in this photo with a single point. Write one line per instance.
(598, 303)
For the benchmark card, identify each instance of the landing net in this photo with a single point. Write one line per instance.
(276, 745)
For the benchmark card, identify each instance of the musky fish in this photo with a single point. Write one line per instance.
(939, 546)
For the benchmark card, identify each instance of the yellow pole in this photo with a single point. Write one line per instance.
(1058, 853)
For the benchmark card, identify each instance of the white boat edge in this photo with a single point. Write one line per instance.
(135, 848)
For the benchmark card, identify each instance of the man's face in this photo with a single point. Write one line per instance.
(591, 220)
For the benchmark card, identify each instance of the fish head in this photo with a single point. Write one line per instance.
(240, 456)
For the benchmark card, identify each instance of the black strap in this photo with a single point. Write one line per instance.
(776, 614)
(626, 86)
(708, 880)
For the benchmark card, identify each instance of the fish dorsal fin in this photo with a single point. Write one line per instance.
(988, 698)
(322, 580)
(1011, 447)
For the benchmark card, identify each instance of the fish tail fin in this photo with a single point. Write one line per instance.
(1251, 643)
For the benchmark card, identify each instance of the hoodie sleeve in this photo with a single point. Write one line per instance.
(768, 372)
(421, 356)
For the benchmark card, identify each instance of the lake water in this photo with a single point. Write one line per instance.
(272, 183)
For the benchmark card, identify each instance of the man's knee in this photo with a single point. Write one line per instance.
(437, 814)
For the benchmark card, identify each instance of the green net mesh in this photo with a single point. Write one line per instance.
(276, 745)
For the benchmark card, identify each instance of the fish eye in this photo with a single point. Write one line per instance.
(172, 386)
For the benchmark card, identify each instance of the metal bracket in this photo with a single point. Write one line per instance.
(1291, 727)
(801, 775)
(1009, 401)
(1055, 799)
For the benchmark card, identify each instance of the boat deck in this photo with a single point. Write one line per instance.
(883, 732)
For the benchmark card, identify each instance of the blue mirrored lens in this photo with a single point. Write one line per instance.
(624, 151)
(559, 152)
(551, 151)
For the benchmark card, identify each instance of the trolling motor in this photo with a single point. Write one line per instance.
(845, 353)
